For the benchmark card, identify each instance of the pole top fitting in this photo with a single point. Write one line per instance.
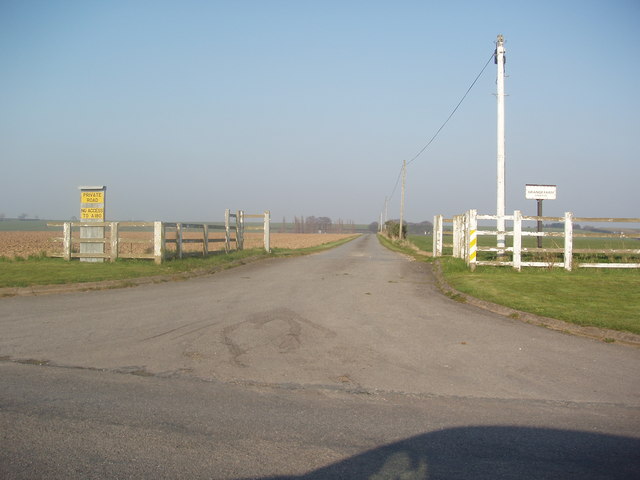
(500, 40)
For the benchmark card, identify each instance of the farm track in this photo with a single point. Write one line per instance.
(344, 364)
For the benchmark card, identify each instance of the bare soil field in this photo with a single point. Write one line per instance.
(23, 243)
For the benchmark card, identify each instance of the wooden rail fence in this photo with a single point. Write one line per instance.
(465, 232)
(156, 236)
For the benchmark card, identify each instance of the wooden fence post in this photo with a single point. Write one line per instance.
(464, 237)
(113, 256)
(458, 236)
(179, 239)
(238, 230)
(517, 240)
(437, 236)
(205, 240)
(66, 240)
(241, 229)
(267, 232)
(158, 242)
(568, 241)
(227, 234)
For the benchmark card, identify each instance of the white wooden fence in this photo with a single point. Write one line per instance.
(157, 236)
(265, 227)
(465, 233)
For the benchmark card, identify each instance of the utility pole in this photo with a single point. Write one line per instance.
(386, 209)
(404, 177)
(500, 210)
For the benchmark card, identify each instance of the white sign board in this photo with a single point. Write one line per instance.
(540, 192)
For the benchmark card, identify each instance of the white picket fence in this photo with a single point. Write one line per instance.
(156, 237)
(465, 232)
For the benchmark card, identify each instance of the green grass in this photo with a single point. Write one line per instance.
(423, 242)
(590, 297)
(21, 272)
(52, 271)
(606, 298)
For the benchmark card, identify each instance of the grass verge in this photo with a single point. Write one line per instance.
(603, 298)
(56, 271)
(405, 247)
(287, 252)
(589, 297)
(423, 242)
(21, 272)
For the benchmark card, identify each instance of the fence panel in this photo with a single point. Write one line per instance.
(148, 240)
(466, 228)
(265, 227)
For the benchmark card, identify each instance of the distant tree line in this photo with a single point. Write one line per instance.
(576, 226)
(314, 224)
(22, 216)
(392, 228)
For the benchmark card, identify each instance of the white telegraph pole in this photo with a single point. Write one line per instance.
(386, 209)
(404, 177)
(500, 211)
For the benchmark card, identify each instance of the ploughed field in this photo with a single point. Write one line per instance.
(25, 244)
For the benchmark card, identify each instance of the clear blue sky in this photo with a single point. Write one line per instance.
(185, 108)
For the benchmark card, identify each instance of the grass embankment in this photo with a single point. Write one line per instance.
(21, 272)
(605, 298)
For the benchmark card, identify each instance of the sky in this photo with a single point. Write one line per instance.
(308, 108)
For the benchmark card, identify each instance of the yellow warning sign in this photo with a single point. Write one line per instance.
(92, 197)
(92, 213)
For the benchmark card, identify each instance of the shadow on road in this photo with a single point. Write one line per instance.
(493, 453)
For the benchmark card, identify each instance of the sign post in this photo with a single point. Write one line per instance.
(540, 193)
(92, 208)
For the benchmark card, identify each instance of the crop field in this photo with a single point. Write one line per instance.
(35, 243)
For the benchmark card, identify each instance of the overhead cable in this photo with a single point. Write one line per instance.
(444, 124)
(453, 112)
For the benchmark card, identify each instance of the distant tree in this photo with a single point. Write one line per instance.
(22, 216)
(560, 226)
(392, 228)
(2, 216)
(324, 224)
(311, 224)
(420, 228)
(373, 227)
(591, 228)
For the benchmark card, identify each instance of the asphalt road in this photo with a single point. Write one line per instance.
(344, 364)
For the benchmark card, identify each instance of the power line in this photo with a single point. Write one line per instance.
(444, 124)
(454, 110)
(396, 185)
